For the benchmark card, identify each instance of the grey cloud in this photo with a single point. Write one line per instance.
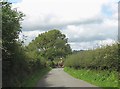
(90, 44)
(95, 32)
(84, 45)
(87, 38)
(49, 26)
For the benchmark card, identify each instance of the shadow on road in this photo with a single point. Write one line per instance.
(44, 83)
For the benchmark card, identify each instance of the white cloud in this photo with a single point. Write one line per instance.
(91, 32)
(91, 45)
(29, 35)
(84, 22)
(45, 12)
(107, 41)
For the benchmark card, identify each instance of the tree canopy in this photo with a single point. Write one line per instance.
(52, 45)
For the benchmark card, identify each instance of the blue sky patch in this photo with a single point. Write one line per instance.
(14, 1)
(106, 10)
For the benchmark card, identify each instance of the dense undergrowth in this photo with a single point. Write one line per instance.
(104, 58)
(18, 62)
(32, 80)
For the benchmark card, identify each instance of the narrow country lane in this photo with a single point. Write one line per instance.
(58, 78)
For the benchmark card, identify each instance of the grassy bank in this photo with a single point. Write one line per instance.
(96, 77)
(32, 80)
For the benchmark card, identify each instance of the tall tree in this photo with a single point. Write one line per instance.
(10, 32)
(52, 44)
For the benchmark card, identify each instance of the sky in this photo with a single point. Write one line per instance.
(86, 23)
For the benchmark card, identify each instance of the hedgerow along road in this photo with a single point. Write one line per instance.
(58, 78)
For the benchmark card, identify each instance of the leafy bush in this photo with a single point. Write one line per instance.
(103, 58)
(17, 61)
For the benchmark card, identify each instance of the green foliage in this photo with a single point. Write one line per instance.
(12, 53)
(17, 62)
(32, 80)
(105, 58)
(98, 78)
(49, 46)
(98, 66)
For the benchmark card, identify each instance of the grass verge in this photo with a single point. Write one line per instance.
(96, 77)
(32, 80)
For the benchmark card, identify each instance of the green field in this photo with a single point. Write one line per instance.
(98, 78)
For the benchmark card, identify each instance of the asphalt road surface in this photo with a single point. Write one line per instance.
(58, 78)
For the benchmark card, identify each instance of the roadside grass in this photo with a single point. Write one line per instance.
(32, 80)
(99, 78)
